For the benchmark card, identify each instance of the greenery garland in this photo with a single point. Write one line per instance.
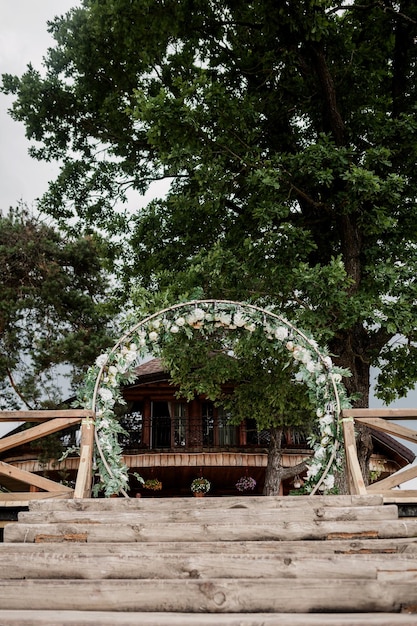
(115, 368)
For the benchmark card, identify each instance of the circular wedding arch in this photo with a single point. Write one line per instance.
(314, 368)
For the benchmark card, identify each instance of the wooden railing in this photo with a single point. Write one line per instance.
(377, 419)
(50, 422)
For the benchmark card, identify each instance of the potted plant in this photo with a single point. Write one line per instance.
(200, 486)
(246, 483)
(153, 484)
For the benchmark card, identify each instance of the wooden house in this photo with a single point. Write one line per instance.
(175, 441)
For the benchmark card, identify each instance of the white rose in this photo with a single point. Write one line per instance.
(199, 314)
(101, 360)
(328, 482)
(153, 336)
(106, 394)
(320, 453)
(328, 362)
(326, 419)
(311, 366)
(239, 320)
(281, 333)
(174, 329)
(179, 322)
(313, 470)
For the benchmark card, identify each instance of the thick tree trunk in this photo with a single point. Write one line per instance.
(275, 472)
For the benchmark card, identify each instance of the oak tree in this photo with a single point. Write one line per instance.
(287, 132)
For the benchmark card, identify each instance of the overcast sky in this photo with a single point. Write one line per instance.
(24, 39)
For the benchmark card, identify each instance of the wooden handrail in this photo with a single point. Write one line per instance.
(395, 414)
(43, 415)
(54, 421)
(377, 419)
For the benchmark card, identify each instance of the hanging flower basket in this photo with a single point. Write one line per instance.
(153, 484)
(246, 483)
(200, 485)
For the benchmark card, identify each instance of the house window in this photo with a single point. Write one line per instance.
(132, 423)
(169, 424)
(179, 416)
(254, 436)
(227, 432)
(208, 423)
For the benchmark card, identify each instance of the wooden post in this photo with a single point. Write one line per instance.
(354, 475)
(85, 468)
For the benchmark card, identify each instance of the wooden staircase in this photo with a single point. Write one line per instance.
(241, 561)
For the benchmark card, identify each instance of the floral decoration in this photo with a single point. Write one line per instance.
(246, 483)
(314, 368)
(200, 485)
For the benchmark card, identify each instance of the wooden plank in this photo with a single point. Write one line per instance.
(402, 545)
(400, 496)
(355, 478)
(137, 532)
(355, 470)
(233, 502)
(386, 427)
(117, 618)
(42, 415)
(52, 426)
(32, 479)
(207, 516)
(83, 482)
(47, 563)
(214, 595)
(24, 498)
(85, 472)
(393, 481)
(395, 414)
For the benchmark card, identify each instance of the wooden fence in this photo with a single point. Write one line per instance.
(49, 422)
(378, 419)
(53, 421)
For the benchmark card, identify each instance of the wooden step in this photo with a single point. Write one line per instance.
(283, 595)
(211, 516)
(39, 562)
(128, 550)
(232, 531)
(233, 502)
(246, 561)
(102, 618)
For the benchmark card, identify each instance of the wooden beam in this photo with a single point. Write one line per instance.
(30, 434)
(271, 595)
(355, 470)
(395, 414)
(22, 498)
(41, 416)
(393, 481)
(32, 479)
(136, 532)
(24, 617)
(355, 478)
(85, 468)
(386, 427)
(83, 483)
